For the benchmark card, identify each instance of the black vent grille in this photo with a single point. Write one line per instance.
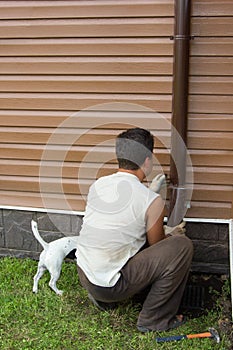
(193, 298)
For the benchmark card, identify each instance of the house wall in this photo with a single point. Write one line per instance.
(75, 73)
(62, 57)
(210, 137)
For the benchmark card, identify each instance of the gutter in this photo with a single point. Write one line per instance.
(178, 204)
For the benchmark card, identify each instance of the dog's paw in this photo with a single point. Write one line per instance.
(35, 291)
(59, 292)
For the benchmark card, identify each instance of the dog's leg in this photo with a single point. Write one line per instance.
(53, 280)
(40, 271)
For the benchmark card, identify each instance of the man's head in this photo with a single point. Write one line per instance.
(133, 147)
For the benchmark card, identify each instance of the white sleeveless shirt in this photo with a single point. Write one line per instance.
(114, 226)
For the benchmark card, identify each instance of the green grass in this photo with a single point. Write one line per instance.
(47, 321)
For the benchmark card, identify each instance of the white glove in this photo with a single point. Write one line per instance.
(175, 230)
(158, 182)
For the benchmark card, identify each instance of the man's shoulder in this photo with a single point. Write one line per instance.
(105, 178)
(103, 181)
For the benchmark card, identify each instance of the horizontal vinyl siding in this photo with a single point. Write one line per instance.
(210, 120)
(58, 58)
(85, 9)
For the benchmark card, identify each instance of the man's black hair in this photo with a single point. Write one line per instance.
(133, 146)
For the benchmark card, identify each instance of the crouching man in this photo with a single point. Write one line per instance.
(122, 248)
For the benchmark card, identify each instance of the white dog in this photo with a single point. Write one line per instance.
(51, 257)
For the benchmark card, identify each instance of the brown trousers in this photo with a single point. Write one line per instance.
(164, 267)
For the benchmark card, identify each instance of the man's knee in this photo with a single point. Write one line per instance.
(184, 244)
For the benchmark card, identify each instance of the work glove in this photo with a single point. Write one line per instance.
(157, 183)
(175, 230)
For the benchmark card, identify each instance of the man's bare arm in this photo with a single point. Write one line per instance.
(154, 220)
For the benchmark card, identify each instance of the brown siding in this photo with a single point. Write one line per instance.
(61, 57)
(57, 58)
(210, 117)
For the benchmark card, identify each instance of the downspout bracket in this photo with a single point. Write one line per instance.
(182, 37)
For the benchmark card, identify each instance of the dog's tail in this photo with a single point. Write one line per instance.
(37, 235)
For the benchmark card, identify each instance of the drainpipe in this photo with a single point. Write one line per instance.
(178, 205)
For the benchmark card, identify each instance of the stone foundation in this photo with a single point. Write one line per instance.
(17, 239)
(211, 246)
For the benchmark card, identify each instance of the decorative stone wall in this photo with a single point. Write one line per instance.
(211, 246)
(17, 239)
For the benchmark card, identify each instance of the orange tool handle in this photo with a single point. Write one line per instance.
(200, 335)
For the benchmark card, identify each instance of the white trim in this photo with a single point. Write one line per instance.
(216, 221)
(43, 210)
(204, 220)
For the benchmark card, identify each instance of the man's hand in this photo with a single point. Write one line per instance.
(158, 182)
(175, 230)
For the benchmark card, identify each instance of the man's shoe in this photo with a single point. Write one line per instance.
(176, 322)
(143, 329)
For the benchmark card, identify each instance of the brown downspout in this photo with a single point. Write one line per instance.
(177, 207)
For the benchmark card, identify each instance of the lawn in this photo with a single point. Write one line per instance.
(47, 321)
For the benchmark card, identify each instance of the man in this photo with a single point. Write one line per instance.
(122, 247)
